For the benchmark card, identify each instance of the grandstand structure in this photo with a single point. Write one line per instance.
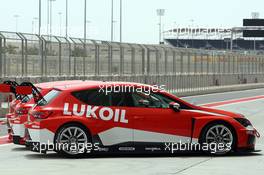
(212, 38)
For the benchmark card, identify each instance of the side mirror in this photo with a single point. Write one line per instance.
(24, 90)
(5, 88)
(175, 106)
(144, 102)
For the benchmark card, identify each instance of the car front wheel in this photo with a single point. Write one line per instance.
(218, 139)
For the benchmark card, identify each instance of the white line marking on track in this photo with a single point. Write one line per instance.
(236, 100)
(236, 103)
(222, 93)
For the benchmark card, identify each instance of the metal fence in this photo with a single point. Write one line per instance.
(53, 57)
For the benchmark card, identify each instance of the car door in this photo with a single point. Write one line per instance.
(112, 121)
(119, 131)
(157, 122)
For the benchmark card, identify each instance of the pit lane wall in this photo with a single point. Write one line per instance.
(181, 85)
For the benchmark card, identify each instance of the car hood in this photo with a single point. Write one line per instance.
(217, 112)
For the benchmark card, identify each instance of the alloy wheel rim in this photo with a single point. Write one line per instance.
(220, 134)
(73, 140)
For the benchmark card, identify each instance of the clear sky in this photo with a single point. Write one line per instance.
(140, 22)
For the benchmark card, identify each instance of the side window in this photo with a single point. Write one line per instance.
(93, 97)
(162, 101)
(156, 100)
(121, 99)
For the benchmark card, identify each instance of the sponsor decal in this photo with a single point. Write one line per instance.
(103, 149)
(153, 149)
(126, 149)
(104, 113)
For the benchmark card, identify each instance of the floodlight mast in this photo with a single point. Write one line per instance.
(160, 13)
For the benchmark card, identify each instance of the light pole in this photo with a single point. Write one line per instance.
(88, 27)
(48, 17)
(16, 18)
(39, 26)
(60, 21)
(66, 22)
(160, 13)
(84, 21)
(121, 11)
(192, 31)
(112, 20)
(34, 25)
(32, 30)
(51, 15)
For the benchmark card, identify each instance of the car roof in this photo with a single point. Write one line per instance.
(50, 85)
(94, 84)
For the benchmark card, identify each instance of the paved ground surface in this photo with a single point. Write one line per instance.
(17, 160)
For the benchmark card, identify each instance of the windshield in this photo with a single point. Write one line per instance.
(48, 97)
(26, 98)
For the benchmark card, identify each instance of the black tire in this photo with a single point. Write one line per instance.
(204, 139)
(61, 149)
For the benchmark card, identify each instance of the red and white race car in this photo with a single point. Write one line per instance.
(10, 88)
(20, 115)
(97, 116)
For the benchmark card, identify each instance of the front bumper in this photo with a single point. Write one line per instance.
(247, 139)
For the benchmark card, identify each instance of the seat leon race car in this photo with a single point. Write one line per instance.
(28, 101)
(101, 117)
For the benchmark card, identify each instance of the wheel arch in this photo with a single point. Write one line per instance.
(217, 121)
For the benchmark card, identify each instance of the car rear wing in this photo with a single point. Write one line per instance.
(10, 87)
(27, 88)
(5, 88)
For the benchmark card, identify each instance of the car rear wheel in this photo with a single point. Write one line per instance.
(218, 138)
(72, 140)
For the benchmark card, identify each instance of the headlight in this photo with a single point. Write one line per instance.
(244, 122)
